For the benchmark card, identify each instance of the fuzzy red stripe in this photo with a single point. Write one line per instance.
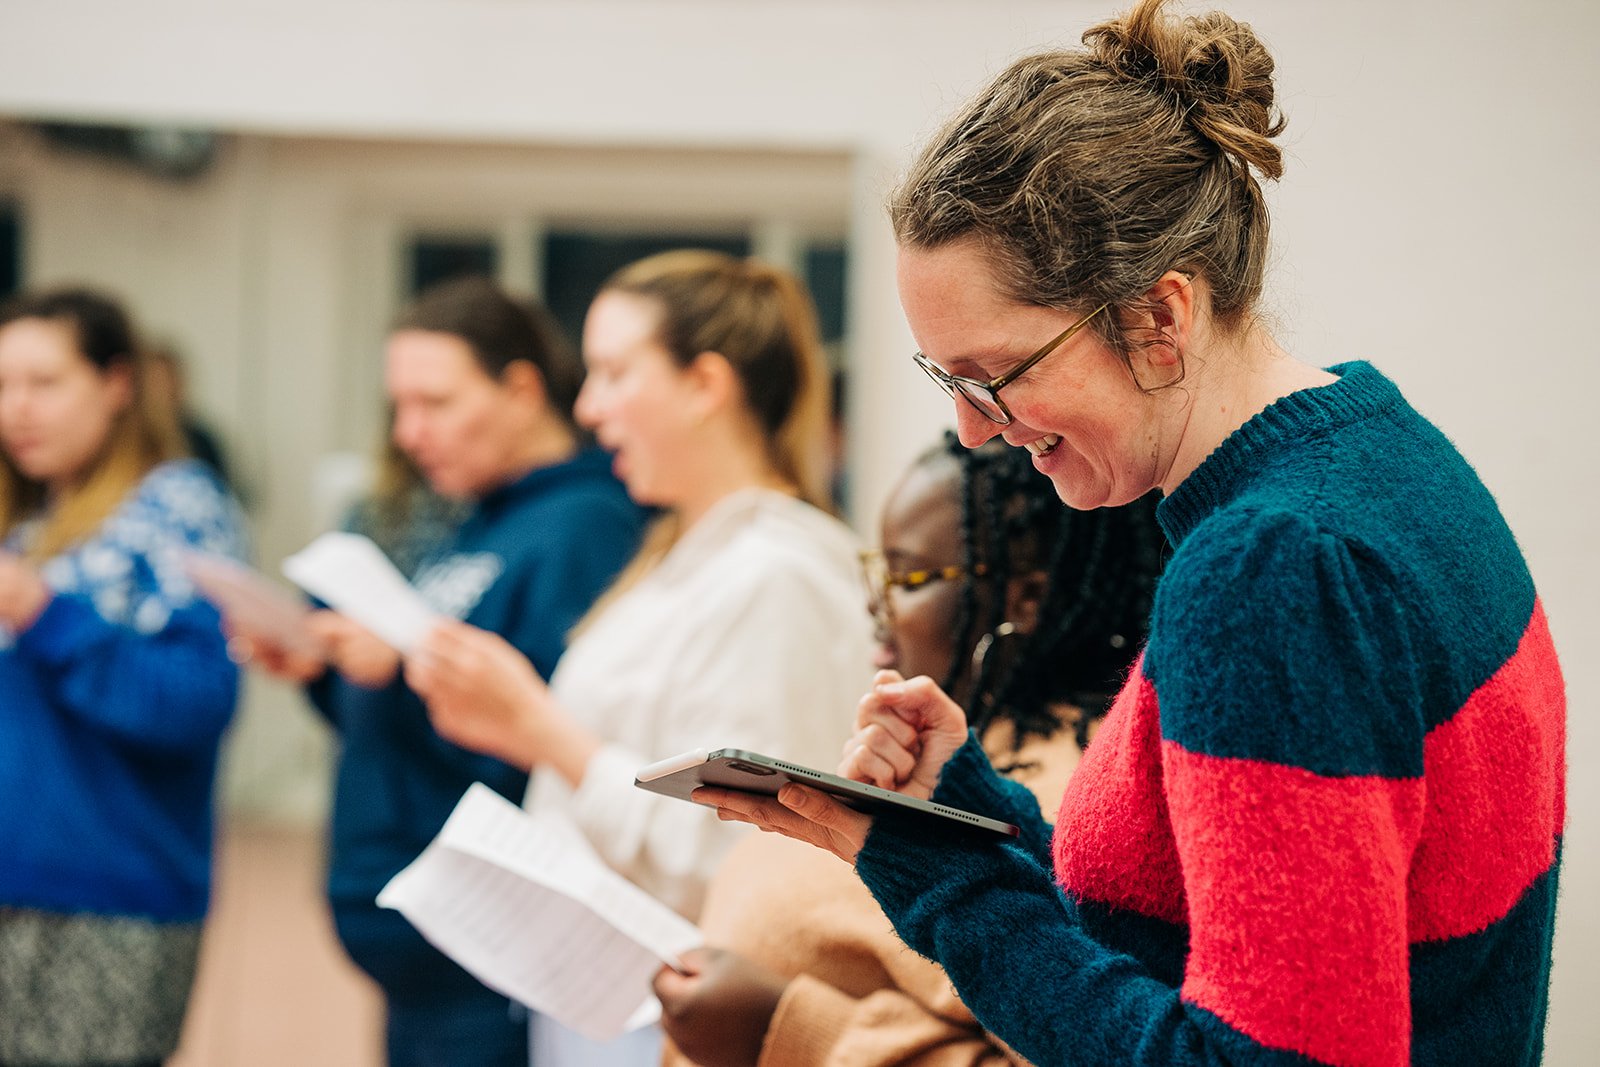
(1496, 776)
(1297, 900)
(1113, 839)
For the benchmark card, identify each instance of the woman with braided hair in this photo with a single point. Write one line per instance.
(1030, 614)
(1322, 821)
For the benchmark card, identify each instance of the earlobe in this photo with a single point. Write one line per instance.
(522, 379)
(713, 379)
(1025, 596)
(120, 377)
(1171, 303)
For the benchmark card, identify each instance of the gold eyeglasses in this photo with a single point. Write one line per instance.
(985, 396)
(879, 579)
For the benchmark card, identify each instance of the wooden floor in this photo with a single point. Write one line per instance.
(274, 989)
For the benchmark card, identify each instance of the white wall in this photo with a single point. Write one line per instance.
(1436, 217)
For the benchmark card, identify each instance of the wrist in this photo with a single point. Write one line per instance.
(568, 748)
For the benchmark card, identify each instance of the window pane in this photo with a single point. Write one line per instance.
(10, 249)
(825, 268)
(439, 259)
(577, 263)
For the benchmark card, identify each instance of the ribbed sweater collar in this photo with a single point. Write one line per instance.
(1360, 393)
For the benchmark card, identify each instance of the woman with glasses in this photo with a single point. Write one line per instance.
(1030, 614)
(1322, 821)
(737, 625)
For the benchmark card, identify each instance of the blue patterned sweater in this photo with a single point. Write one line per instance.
(1322, 822)
(112, 707)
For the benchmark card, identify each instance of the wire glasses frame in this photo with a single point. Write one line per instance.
(880, 579)
(985, 396)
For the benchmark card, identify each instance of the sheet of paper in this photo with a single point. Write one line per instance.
(526, 905)
(352, 575)
(251, 602)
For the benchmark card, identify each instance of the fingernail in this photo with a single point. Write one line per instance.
(892, 689)
(792, 797)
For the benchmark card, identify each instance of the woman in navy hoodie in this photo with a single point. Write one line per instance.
(482, 390)
(115, 689)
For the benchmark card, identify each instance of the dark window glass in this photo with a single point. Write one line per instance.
(10, 249)
(825, 276)
(577, 263)
(439, 259)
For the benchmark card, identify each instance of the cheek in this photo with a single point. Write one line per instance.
(924, 630)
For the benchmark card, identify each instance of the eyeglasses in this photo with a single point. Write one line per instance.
(880, 579)
(985, 396)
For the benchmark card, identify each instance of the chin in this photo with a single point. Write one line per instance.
(1085, 497)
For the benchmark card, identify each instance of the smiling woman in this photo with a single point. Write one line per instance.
(1290, 838)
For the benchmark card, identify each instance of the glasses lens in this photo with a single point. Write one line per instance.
(982, 398)
(875, 576)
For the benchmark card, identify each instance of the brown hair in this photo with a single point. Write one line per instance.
(1087, 174)
(761, 320)
(500, 331)
(142, 436)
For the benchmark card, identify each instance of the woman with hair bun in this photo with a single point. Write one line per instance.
(1322, 821)
(738, 624)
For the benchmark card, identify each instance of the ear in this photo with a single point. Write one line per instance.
(119, 378)
(1164, 338)
(712, 381)
(1024, 597)
(523, 381)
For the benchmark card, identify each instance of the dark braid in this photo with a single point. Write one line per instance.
(1101, 568)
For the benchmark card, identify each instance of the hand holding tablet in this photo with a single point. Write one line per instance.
(750, 772)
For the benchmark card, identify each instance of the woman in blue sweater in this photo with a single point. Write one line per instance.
(115, 689)
(1322, 822)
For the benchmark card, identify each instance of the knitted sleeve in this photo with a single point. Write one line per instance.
(129, 648)
(1290, 769)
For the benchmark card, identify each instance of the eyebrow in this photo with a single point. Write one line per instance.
(971, 366)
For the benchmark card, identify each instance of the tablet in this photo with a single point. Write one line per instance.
(750, 772)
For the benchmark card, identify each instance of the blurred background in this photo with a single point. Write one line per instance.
(267, 183)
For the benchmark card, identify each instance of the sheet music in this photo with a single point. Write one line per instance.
(526, 905)
(353, 576)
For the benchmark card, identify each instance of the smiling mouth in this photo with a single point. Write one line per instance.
(1044, 445)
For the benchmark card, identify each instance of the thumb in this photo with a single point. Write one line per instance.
(669, 986)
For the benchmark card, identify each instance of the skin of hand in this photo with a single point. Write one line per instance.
(284, 664)
(906, 731)
(354, 651)
(23, 594)
(484, 695)
(717, 1010)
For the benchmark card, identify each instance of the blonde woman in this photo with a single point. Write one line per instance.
(115, 688)
(738, 624)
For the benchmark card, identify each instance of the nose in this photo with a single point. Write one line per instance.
(972, 426)
(407, 429)
(585, 408)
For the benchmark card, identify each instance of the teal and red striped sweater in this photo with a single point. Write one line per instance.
(1322, 822)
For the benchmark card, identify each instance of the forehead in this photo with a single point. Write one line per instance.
(923, 514)
(953, 302)
(619, 325)
(426, 361)
(39, 343)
